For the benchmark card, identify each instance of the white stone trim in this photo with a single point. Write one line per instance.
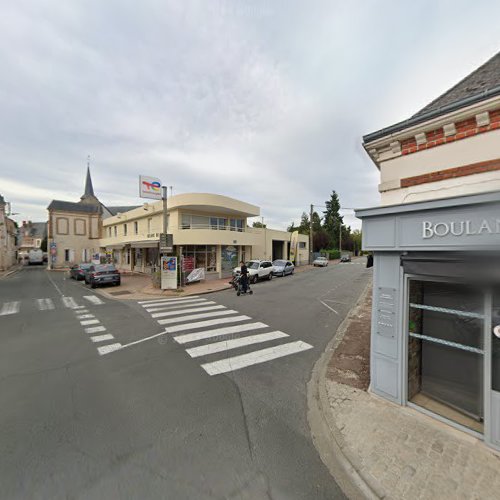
(483, 119)
(449, 129)
(421, 138)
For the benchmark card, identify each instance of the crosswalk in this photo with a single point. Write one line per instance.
(48, 304)
(219, 331)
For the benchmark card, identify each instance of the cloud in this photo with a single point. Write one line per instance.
(259, 100)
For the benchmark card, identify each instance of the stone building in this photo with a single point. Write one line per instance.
(74, 228)
(30, 236)
(8, 238)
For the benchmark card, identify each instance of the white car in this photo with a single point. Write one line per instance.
(320, 261)
(257, 270)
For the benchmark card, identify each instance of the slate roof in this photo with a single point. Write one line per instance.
(484, 78)
(116, 210)
(69, 206)
(481, 84)
(36, 229)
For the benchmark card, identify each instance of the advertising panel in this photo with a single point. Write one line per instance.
(293, 246)
(149, 187)
(169, 273)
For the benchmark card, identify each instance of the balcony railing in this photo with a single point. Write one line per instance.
(215, 227)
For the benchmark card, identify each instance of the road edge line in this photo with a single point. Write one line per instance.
(327, 437)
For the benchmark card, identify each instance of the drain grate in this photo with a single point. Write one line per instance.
(121, 292)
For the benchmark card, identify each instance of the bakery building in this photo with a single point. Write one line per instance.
(210, 231)
(435, 238)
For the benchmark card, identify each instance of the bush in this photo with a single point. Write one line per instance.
(330, 254)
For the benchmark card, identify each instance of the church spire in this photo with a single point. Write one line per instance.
(88, 195)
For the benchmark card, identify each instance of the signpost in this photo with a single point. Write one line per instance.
(166, 243)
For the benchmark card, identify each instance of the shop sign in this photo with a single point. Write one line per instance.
(169, 273)
(460, 228)
(188, 264)
(149, 187)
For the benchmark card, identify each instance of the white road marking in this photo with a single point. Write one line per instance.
(89, 322)
(95, 329)
(226, 345)
(102, 338)
(171, 307)
(56, 287)
(140, 341)
(173, 299)
(10, 308)
(78, 307)
(191, 317)
(81, 311)
(217, 332)
(331, 308)
(70, 302)
(203, 324)
(85, 316)
(254, 358)
(44, 304)
(182, 311)
(106, 349)
(93, 299)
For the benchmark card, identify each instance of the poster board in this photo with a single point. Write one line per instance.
(168, 273)
(293, 246)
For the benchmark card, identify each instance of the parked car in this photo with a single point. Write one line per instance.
(282, 267)
(102, 274)
(345, 257)
(320, 261)
(257, 270)
(77, 272)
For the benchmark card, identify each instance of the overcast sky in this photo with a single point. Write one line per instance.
(265, 101)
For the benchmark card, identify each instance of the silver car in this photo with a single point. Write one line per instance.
(320, 261)
(283, 267)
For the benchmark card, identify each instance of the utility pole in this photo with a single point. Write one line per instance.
(311, 235)
(165, 213)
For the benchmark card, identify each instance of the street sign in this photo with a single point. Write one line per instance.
(166, 243)
(149, 187)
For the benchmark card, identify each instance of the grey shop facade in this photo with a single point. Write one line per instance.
(435, 339)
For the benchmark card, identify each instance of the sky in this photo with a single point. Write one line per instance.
(262, 100)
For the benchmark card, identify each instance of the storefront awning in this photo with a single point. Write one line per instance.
(145, 244)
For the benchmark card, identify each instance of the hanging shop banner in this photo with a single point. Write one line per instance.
(169, 273)
(149, 187)
(293, 245)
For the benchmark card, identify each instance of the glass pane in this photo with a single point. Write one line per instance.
(445, 350)
(495, 343)
(199, 221)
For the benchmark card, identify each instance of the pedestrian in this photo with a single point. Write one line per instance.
(244, 276)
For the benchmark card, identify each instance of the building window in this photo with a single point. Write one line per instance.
(204, 256)
(302, 244)
(69, 255)
(218, 223)
(109, 232)
(136, 227)
(115, 231)
(124, 229)
(150, 221)
(62, 225)
(80, 227)
(236, 225)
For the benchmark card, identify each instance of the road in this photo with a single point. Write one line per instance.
(97, 402)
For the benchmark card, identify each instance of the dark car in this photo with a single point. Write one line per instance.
(77, 272)
(346, 257)
(282, 267)
(102, 274)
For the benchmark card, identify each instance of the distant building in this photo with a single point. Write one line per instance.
(8, 238)
(30, 236)
(435, 343)
(74, 228)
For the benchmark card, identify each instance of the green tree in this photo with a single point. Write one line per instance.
(43, 244)
(316, 221)
(291, 228)
(333, 221)
(259, 224)
(304, 224)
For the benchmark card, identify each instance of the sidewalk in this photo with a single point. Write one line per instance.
(12, 270)
(376, 449)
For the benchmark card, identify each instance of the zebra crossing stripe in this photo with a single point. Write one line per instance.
(106, 349)
(171, 307)
(85, 316)
(10, 308)
(95, 329)
(191, 317)
(226, 345)
(102, 338)
(217, 332)
(70, 302)
(203, 324)
(173, 299)
(182, 311)
(93, 299)
(89, 322)
(254, 358)
(44, 304)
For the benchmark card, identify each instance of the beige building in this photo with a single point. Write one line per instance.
(8, 235)
(30, 237)
(74, 229)
(449, 148)
(211, 231)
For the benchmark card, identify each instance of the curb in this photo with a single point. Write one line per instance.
(327, 438)
(10, 273)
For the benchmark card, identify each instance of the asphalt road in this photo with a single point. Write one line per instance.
(147, 420)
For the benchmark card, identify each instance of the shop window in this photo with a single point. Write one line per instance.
(445, 350)
(495, 344)
(203, 256)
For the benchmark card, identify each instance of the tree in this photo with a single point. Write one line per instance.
(43, 244)
(333, 220)
(291, 228)
(316, 221)
(304, 224)
(320, 240)
(259, 224)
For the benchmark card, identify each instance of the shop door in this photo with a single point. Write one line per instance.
(446, 350)
(494, 337)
